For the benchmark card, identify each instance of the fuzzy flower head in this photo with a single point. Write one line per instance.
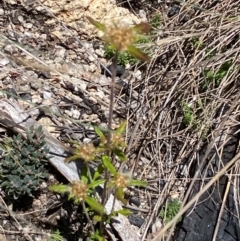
(86, 152)
(79, 190)
(121, 180)
(122, 37)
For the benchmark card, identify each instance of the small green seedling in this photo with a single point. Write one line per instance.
(171, 210)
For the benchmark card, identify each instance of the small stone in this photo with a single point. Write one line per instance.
(27, 96)
(47, 95)
(37, 205)
(135, 201)
(142, 14)
(156, 226)
(138, 75)
(1, 11)
(4, 61)
(23, 88)
(20, 19)
(76, 114)
(68, 112)
(36, 85)
(6, 81)
(28, 25)
(87, 140)
(92, 57)
(100, 52)
(136, 220)
(11, 93)
(173, 10)
(36, 99)
(43, 185)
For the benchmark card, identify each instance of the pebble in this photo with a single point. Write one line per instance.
(27, 96)
(7, 81)
(1, 11)
(173, 10)
(142, 14)
(156, 226)
(138, 75)
(47, 95)
(92, 57)
(36, 99)
(76, 114)
(136, 220)
(11, 93)
(135, 201)
(4, 61)
(28, 25)
(100, 52)
(35, 85)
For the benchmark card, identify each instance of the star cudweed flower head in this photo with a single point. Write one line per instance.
(122, 37)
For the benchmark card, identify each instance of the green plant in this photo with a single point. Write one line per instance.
(120, 38)
(56, 236)
(22, 167)
(124, 58)
(155, 21)
(171, 209)
(189, 118)
(214, 78)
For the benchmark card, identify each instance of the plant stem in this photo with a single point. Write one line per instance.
(114, 68)
(87, 216)
(106, 174)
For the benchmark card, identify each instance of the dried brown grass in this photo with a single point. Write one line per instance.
(180, 67)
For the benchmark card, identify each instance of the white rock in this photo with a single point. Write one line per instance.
(138, 75)
(142, 14)
(36, 99)
(92, 57)
(4, 61)
(28, 25)
(76, 114)
(47, 95)
(100, 52)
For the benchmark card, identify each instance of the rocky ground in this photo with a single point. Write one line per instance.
(52, 62)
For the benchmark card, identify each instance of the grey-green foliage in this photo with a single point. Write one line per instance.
(22, 167)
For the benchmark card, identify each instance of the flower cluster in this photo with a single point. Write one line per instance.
(121, 180)
(122, 37)
(86, 151)
(79, 190)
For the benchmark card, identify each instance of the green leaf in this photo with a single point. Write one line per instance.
(97, 24)
(137, 183)
(96, 183)
(142, 28)
(120, 196)
(121, 128)
(120, 154)
(124, 212)
(60, 188)
(138, 54)
(84, 175)
(98, 131)
(98, 172)
(97, 218)
(95, 205)
(72, 158)
(107, 163)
